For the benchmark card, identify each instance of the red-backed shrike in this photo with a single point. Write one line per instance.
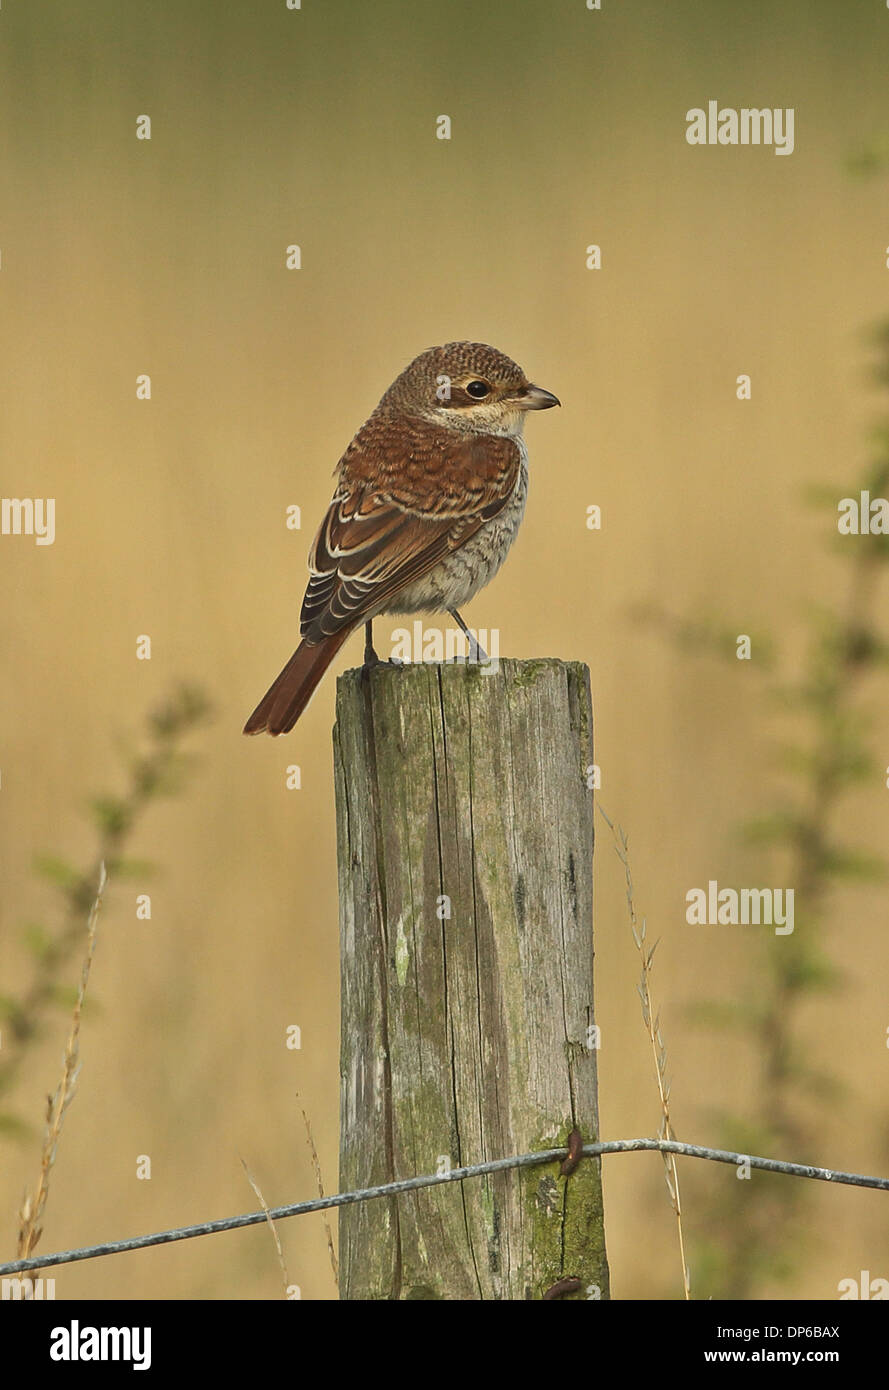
(429, 498)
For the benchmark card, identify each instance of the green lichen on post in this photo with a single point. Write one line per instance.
(584, 1248)
(524, 673)
(402, 953)
(578, 690)
(566, 1219)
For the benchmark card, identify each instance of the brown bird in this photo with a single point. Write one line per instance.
(429, 498)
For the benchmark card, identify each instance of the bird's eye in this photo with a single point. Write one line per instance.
(478, 389)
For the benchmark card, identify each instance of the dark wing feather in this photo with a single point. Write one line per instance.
(410, 493)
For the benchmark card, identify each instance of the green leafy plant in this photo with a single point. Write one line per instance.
(157, 767)
(803, 838)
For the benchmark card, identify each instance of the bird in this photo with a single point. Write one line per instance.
(429, 497)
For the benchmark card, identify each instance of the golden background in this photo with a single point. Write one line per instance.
(166, 257)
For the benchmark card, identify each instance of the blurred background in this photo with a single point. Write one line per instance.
(317, 127)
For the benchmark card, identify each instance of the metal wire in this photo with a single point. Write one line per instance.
(392, 1189)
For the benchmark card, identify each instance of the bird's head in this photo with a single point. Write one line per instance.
(468, 387)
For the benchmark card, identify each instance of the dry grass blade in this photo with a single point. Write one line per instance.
(33, 1207)
(317, 1167)
(652, 1028)
(272, 1227)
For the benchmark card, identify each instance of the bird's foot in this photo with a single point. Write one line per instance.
(477, 655)
(371, 660)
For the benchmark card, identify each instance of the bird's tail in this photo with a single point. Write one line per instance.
(287, 697)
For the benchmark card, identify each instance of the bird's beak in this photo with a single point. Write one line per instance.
(535, 398)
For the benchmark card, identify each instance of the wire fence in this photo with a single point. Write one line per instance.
(392, 1189)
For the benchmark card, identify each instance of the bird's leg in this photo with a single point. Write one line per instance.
(475, 651)
(370, 657)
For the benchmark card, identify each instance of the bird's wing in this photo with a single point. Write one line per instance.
(410, 493)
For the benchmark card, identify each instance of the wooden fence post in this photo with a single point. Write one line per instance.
(465, 839)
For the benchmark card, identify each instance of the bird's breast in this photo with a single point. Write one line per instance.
(459, 577)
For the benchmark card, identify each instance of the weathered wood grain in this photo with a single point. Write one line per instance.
(465, 839)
